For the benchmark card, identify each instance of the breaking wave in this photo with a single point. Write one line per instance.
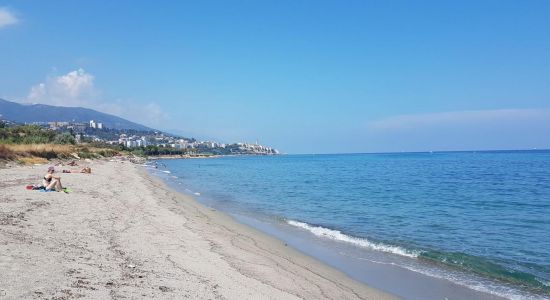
(362, 242)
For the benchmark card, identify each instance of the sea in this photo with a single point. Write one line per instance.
(431, 225)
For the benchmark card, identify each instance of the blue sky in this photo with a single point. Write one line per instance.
(302, 76)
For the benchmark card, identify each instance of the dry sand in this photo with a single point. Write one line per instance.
(122, 234)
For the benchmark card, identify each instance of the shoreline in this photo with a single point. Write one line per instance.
(123, 233)
(432, 283)
(275, 245)
(203, 156)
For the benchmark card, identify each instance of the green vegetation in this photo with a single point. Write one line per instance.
(64, 138)
(153, 150)
(33, 134)
(110, 134)
(31, 144)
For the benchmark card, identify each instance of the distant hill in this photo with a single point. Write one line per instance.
(22, 113)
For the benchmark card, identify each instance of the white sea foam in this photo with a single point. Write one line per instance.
(362, 242)
(545, 283)
(168, 172)
(197, 193)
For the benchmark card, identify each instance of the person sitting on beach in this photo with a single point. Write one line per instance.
(51, 182)
(86, 170)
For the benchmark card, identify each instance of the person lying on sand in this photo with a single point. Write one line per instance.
(51, 182)
(86, 170)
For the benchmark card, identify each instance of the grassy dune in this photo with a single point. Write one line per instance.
(40, 153)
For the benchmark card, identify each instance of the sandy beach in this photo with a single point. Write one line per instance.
(122, 234)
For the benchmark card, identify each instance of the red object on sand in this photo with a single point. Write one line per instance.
(29, 187)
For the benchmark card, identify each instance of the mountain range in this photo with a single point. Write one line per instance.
(28, 113)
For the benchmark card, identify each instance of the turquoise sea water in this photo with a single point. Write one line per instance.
(451, 214)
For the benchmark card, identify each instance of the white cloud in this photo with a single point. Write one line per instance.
(76, 83)
(77, 89)
(7, 17)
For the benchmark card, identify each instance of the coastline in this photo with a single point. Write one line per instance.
(400, 275)
(122, 232)
(201, 156)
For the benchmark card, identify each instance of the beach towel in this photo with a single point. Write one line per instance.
(44, 190)
(65, 190)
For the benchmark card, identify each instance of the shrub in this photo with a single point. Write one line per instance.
(86, 155)
(64, 138)
(107, 152)
(138, 152)
(47, 154)
(6, 153)
(32, 160)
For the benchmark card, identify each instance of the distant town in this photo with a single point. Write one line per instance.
(151, 141)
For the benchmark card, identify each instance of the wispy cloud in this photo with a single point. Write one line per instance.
(7, 17)
(403, 122)
(460, 130)
(77, 89)
(151, 113)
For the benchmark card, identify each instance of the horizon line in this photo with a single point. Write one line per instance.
(425, 151)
